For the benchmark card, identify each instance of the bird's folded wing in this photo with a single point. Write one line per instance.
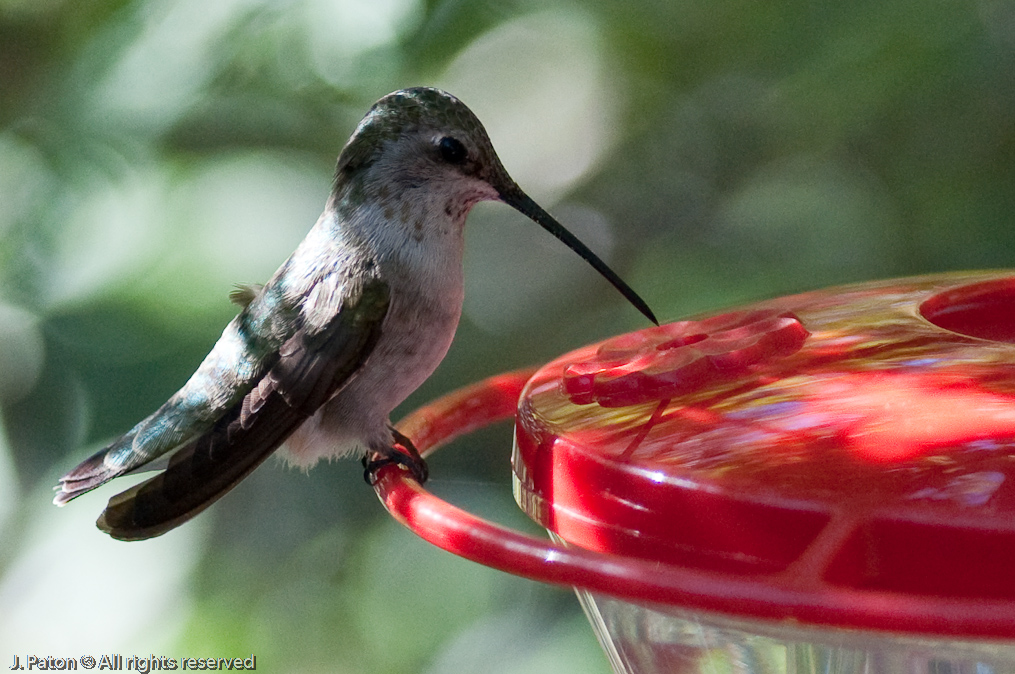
(312, 365)
(233, 367)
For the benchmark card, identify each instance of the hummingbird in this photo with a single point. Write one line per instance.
(352, 322)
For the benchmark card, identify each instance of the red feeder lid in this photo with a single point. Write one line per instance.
(842, 458)
(857, 443)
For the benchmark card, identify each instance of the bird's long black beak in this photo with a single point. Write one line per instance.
(524, 204)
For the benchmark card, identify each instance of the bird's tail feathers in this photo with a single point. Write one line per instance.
(99, 468)
(138, 450)
(198, 474)
(89, 474)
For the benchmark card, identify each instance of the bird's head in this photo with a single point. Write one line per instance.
(423, 147)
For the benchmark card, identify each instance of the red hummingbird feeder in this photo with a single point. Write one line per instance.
(820, 482)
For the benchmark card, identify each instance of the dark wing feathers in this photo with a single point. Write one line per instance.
(310, 368)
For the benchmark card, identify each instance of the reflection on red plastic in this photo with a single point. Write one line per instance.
(672, 359)
(893, 416)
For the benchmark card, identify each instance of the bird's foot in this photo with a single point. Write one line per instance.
(410, 459)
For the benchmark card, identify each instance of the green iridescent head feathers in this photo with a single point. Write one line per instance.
(406, 112)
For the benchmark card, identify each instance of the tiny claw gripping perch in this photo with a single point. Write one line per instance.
(410, 459)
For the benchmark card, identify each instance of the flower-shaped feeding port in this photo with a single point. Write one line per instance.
(677, 358)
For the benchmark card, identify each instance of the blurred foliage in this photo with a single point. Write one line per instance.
(154, 152)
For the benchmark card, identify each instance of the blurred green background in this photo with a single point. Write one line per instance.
(153, 153)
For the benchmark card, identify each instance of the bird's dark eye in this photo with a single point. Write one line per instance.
(452, 150)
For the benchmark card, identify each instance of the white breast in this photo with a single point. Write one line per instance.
(426, 285)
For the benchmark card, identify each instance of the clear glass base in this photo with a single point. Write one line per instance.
(653, 640)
